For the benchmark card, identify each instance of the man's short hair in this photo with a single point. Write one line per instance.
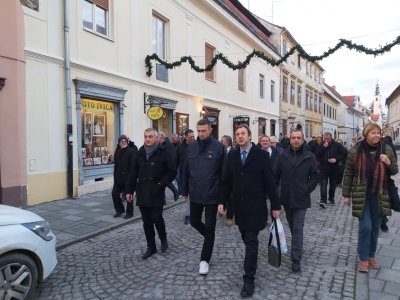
(273, 139)
(328, 133)
(297, 130)
(265, 136)
(151, 130)
(244, 126)
(161, 134)
(228, 139)
(204, 122)
(187, 131)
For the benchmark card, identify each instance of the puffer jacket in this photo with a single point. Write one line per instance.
(358, 193)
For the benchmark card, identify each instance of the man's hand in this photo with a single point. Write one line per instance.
(221, 209)
(332, 160)
(346, 201)
(276, 213)
(129, 197)
(326, 144)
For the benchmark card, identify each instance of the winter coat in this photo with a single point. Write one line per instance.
(152, 176)
(358, 192)
(297, 172)
(202, 175)
(181, 155)
(249, 185)
(124, 164)
(334, 150)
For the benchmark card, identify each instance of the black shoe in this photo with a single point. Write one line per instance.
(118, 214)
(164, 246)
(332, 202)
(247, 289)
(187, 220)
(322, 204)
(149, 253)
(384, 227)
(296, 268)
(176, 197)
(128, 216)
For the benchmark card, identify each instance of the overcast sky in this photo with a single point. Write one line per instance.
(318, 25)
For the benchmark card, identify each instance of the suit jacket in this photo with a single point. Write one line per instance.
(250, 184)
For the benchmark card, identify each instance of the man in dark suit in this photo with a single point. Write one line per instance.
(226, 140)
(266, 146)
(249, 178)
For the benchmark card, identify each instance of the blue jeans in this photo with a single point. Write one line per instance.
(369, 225)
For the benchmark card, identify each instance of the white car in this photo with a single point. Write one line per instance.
(27, 252)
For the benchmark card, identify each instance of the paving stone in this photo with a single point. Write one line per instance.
(389, 275)
(392, 288)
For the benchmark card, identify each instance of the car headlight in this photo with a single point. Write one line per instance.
(41, 228)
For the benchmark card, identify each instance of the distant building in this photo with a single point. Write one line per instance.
(393, 114)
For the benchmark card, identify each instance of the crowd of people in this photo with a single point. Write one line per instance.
(235, 177)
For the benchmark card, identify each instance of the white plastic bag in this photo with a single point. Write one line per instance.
(282, 238)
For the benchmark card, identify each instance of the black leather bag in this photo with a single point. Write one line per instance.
(274, 253)
(393, 195)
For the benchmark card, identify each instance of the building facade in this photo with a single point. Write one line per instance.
(393, 114)
(331, 102)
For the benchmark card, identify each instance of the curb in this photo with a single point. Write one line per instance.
(95, 233)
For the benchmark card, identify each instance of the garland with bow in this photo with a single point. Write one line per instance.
(241, 65)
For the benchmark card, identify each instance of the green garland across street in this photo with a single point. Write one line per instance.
(241, 65)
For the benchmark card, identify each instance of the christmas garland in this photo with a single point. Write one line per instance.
(241, 65)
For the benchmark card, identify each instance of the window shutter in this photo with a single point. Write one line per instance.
(101, 3)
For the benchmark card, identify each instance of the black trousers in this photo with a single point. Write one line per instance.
(296, 218)
(152, 216)
(207, 229)
(331, 176)
(173, 189)
(250, 239)
(118, 205)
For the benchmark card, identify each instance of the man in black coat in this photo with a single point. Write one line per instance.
(181, 161)
(202, 179)
(297, 171)
(226, 140)
(167, 143)
(329, 154)
(154, 170)
(273, 153)
(124, 162)
(249, 178)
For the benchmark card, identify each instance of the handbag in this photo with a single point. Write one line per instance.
(274, 253)
(393, 195)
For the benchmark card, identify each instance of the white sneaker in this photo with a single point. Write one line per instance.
(204, 268)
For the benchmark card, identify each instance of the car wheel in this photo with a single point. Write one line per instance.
(18, 276)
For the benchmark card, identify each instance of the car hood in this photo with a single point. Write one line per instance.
(10, 215)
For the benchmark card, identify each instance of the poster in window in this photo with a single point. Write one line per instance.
(97, 160)
(97, 151)
(110, 159)
(88, 128)
(104, 159)
(104, 151)
(83, 152)
(99, 125)
(88, 161)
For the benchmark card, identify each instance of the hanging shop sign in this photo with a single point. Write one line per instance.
(155, 113)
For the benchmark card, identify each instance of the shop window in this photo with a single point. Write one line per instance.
(96, 16)
(98, 132)
(32, 4)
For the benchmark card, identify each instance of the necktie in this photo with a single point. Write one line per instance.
(244, 155)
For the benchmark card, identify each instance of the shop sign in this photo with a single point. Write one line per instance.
(155, 113)
(241, 120)
(96, 105)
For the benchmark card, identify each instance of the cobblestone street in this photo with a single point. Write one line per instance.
(109, 266)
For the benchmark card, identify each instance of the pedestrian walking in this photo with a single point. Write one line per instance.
(181, 161)
(273, 153)
(124, 163)
(341, 164)
(202, 180)
(297, 172)
(247, 182)
(167, 143)
(365, 186)
(329, 153)
(154, 170)
(226, 140)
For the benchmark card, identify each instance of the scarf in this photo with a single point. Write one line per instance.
(370, 171)
(150, 149)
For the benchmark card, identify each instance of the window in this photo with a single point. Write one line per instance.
(299, 95)
(307, 98)
(262, 84)
(241, 83)
(158, 36)
(210, 51)
(324, 109)
(307, 67)
(272, 91)
(292, 91)
(95, 16)
(315, 75)
(315, 103)
(299, 61)
(285, 89)
(320, 104)
(32, 4)
(284, 47)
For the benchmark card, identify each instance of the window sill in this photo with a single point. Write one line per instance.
(98, 34)
(211, 80)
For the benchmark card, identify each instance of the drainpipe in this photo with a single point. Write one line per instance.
(67, 68)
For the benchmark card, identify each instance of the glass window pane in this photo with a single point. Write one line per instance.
(87, 12)
(101, 22)
(161, 38)
(154, 35)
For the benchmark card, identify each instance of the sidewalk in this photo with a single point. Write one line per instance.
(74, 220)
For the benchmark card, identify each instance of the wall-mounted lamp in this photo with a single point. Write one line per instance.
(2, 82)
(203, 112)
